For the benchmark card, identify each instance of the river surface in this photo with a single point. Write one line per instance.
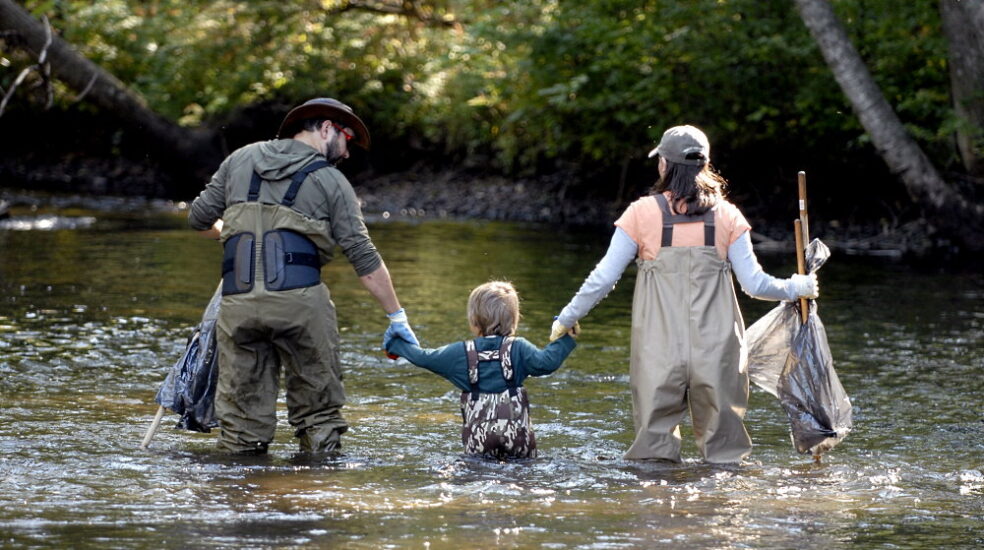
(96, 307)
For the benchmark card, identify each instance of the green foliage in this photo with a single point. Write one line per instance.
(606, 77)
(906, 52)
(526, 85)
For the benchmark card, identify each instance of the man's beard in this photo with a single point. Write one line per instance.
(334, 153)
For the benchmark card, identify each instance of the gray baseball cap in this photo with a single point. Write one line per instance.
(683, 145)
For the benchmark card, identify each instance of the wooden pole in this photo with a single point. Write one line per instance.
(153, 427)
(802, 236)
(801, 264)
(801, 177)
(802, 229)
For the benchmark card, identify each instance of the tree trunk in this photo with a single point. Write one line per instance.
(193, 152)
(963, 25)
(948, 208)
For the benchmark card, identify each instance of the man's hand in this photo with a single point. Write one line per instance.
(213, 232)
(399, 328)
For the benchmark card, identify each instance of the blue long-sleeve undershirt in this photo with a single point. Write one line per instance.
(451, 361)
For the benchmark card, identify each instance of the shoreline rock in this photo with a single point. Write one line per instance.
(454, 195)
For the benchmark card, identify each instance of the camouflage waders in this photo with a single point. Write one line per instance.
(688, 348)
(496, 425)
(276, 313)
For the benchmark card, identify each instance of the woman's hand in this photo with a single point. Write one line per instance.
(806, 286)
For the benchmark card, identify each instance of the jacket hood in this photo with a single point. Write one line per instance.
(281, 158)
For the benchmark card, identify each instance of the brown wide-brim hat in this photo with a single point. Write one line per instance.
(329, 109)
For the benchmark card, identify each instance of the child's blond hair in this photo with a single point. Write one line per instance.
(493, 309)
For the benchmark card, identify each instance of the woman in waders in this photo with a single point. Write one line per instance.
(688, 345)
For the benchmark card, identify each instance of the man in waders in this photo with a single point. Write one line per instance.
(688, 344)
(279, 208)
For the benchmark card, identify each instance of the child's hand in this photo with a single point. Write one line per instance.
(388, 339)
(558, 330)
(399, 328)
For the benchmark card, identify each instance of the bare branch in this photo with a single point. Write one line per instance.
(17, 82)
(87, 88)
(48, 88)
(45, 69)
(406, 9)
(47, 39)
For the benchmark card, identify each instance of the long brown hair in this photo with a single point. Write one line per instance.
(694, 189)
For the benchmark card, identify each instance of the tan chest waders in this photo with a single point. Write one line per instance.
(688, 350)
(276, 313)
(496, 425)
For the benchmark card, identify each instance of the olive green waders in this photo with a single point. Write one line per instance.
(261, 330)
(688, 348)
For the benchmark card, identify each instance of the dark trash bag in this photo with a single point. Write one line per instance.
(189, 389)
(792, 361)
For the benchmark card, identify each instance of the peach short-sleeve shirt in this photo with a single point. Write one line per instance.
(643, 222)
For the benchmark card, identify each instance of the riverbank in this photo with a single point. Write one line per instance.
(459, 195)
(551, 200)
(423, 194)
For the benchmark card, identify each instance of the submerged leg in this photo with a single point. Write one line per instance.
(246, 393)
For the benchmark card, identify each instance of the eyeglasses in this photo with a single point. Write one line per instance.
(347, 132)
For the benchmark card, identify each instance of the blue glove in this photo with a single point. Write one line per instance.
(399, 328)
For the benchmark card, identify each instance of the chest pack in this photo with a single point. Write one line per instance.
(290, 259)
(670, 219)
(496, 425)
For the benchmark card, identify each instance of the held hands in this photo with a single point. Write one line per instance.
(399, 328)
(806, 286)
(558, 330)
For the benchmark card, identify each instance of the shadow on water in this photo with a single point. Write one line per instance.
(92, 318)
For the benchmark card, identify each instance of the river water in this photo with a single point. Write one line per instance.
(96, 306)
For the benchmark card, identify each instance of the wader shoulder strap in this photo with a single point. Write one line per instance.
(709, 227)
(254, 188)
(295, 183)
(503, 355)
(670, 219)
(472, 356)
(298, 178)
(505, 359)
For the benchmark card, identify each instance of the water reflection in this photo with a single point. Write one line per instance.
(48, 222)
(90, 321)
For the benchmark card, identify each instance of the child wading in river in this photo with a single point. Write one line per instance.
(490, 370)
